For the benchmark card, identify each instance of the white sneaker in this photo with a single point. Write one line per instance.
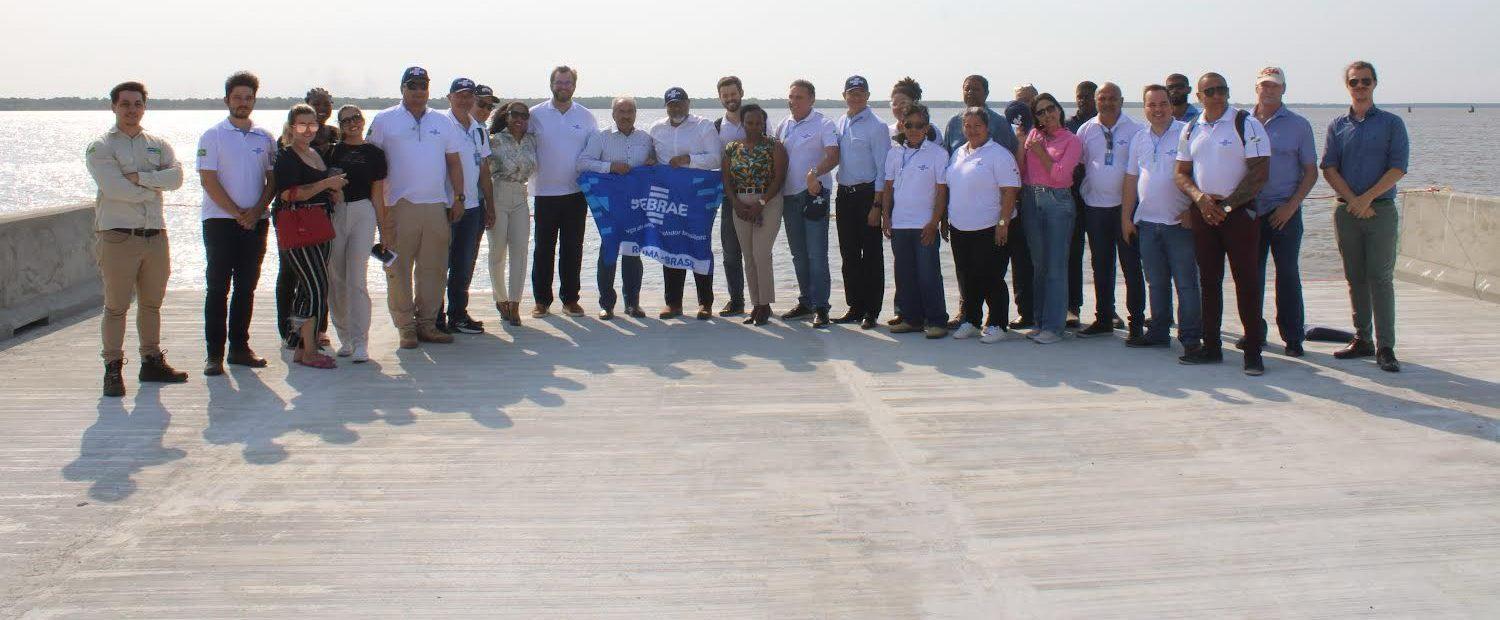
(360, 354)
(1047, 338)
(967, 330)
(346, 349)
(994, 334)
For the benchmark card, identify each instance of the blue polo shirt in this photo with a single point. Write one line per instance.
(1363, 150)
(1291, 149)
(1000, 131)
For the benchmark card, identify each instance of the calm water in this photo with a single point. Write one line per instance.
(43, 167)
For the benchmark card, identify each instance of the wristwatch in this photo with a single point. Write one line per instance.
(1002, 223)
(762, 201)
(457, 198)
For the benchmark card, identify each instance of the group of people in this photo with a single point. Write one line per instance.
(1168, 200)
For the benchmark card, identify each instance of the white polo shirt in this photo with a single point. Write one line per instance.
(975, 177)
(1216, 152)
(695, 137)
(914, 174)
(804, 141)
(1106, 153)
(1153, 159)
(416, 153)
(560, 137)
(241, 160)
(475, 147)
(729, 132)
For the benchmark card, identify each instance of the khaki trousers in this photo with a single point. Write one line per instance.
(756, 242)
(132, 266)
(421, 246)
(508, 241)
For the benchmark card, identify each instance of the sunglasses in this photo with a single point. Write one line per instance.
(351, 119)
(1215, 91)
(519, 114)
(484, 106)
(305, 126)
(1360, 82)
(1044, 109)
(416, 84)
(910, 125)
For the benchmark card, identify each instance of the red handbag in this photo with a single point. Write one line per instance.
(302, 226)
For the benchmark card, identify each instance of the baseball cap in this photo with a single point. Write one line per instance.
(1274, 74)
(484, 92)
(856, 81)
(417, 74)
(459, 84)
(675, 93)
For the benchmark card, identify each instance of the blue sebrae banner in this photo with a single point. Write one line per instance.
(659, 212)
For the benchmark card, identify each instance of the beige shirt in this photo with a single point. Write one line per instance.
(512, 161)
(120, 203)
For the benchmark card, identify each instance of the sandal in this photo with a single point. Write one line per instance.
(316, 360)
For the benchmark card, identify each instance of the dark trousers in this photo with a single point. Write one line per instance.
(674, 279)
(287, 289)
(463, 251)
(234, 256)
(1238, 238)
(1020, 263)
(919, 277)
(631, 271)
(733, 258)
(1105, 243)
(558, 217)
(862, 250)
(981, 277)
(1284, 245)
(1075, 255)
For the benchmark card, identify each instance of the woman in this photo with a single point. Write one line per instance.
(354, 224)
(983, 184)
(905, 93)
(512, 160)
(754, 170)
(303, 182)
(913, 204)
(1050, 154)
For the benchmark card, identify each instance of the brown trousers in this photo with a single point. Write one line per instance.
(132, 266)
(421, 245)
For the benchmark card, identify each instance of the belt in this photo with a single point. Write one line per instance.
(139, 232)
(859, 186)
(750, 190)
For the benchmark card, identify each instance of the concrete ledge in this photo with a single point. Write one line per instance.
(47, 267)
(1448, 241)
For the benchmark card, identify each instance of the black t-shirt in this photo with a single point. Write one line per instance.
(363, 165)
(291, 171)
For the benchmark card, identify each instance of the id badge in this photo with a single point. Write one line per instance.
(1109, 158)
(477, 158)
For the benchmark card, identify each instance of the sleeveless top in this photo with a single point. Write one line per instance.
(751, 167)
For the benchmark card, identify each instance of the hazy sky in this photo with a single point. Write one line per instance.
(1425, 51)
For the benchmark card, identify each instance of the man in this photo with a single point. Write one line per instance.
(1178, 89)
(286, 276)
(132, 168)
(976, 93)
(685, 140)
(468, 231)
(1154, 217)
(1293, 172)
(1083, 97)
(1106, 140)
(863, 143)
(812, 148)
(616, 151)
(1019, 111)
(484, 105)
(731, 92)
(424, 188)
(1365, 154)
(234, 167)
(1223, 158)
(562, 129)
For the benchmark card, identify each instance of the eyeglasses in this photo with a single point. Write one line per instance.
(1360, 82)
(351, 119)
(1044, 109)
(911, 125)
(416, 84)
(1215, 91)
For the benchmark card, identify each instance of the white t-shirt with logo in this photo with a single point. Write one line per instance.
(475, 148)
(241, 160)
(1153, 159)
(1103, 166)
(416, 154)
(560, 137)
(1217, 154)
(914, 174)
(975, 177)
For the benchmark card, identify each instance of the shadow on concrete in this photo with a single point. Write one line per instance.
(121, 443)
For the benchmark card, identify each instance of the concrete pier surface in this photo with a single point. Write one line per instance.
(644, 469)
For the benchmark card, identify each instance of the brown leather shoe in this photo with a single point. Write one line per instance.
(540, 311)
(246, 357)
(574, 309)
(409, 338)
(705, 313)
(670, 313)
(428, 333)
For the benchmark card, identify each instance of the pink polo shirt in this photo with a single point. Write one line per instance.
(1064, 148)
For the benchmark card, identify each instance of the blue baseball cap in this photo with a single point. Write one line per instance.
(459, 84)
(856, 81)
(675, 93)
(414, 74)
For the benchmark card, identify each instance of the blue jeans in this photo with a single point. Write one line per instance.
(463, 251)
(1285, 245)
(1103, 227)
(1049, 235)
(1168, 257)
(630, 270)
(808, 241)
(919, 278)
(733, 258)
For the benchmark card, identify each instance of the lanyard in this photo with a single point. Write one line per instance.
(1109, 144)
